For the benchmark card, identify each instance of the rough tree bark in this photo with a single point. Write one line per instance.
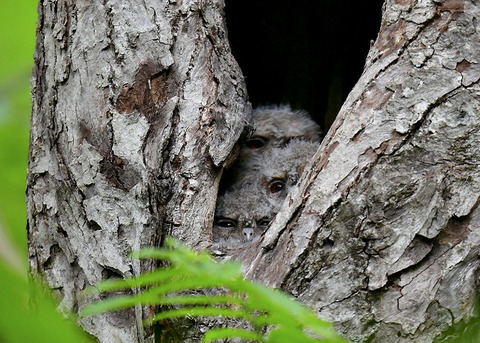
(138, 105)
(383, 234)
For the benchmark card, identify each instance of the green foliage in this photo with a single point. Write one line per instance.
(273, 316)
(463, 331)
(17, 35)
(28, 312)
(17, 40)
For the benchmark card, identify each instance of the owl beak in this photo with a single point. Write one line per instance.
(248, 233)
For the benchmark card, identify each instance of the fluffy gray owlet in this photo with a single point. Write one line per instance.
(278, 169)
(246, 209)
(242, 214)
(276, 125)
(269, 165)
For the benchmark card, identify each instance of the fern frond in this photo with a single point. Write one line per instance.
(274, 316)
(215, 334)
(199, 312)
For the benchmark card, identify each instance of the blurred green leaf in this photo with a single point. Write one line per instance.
(216, 334)
(222, 333)
(186, 312)
(28, 312)
(274, 316)
(17, 40)
(18, 20)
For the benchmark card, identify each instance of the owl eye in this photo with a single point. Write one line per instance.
(264, 222)
(287, 141)
(276, 186)
(256, 143)
(225, 223)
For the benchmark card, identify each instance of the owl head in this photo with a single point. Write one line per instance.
(276, 170)
(243, 213)
(275, 126)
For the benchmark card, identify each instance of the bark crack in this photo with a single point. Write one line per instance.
(109, 13)
(422, 269)
(338, 301)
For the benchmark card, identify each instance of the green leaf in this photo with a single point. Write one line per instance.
(267, 310)
(158, 276)
(17, 41)
(111, 304)
(199, 312)
(28, 312)
(284, 311)
(223, 333)
(121, 302)
(200, 300)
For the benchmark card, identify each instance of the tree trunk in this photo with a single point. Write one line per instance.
(382, 235)
(137, 107)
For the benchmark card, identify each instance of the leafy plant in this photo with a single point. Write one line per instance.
(272, 315)
(28, 312)
(17, 37)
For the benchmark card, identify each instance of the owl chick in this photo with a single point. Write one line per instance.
(242, 214)
(276, 170)
(276, 125)
(282, 167)
(270, 164)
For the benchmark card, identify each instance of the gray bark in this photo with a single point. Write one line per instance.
(382, 235)
(137, 107)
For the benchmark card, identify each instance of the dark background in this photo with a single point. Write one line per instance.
(306, 53)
